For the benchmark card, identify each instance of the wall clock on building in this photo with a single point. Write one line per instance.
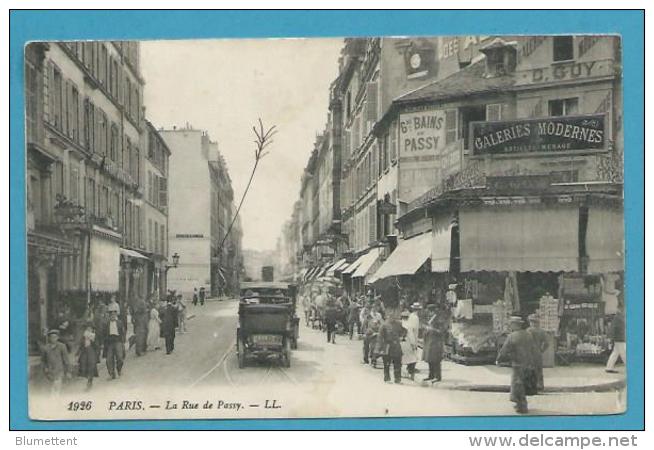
(419, 59)
(415, 61)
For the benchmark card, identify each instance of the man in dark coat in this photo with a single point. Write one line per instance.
(518, 349)
(390, 338)
(541, 340)
(114, 344)
(168, 327)
(432, 351)
(140, 321)
(202, 295)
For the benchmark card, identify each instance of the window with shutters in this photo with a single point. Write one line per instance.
(104, 197)
(156, 237)
(73, 188)
(115, 209)
(58, 178)
(150, 236)
(163, 192)
(139, 227)
(393, 142)
(104, 61)
(104, 133)
(87, 54)
(494, 111)
(90, 197)
(162, 237)
(128, 93)
(89, 128)
(371, 103)
(31, 96)
(73, 112)
(57, 99)
(113, 142)
(128, 156)
(355, 136)
(372, 222)
(137, 166)
(450, 126)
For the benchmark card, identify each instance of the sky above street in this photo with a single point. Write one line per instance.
(224, 86)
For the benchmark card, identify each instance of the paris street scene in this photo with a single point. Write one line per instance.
(306, 228)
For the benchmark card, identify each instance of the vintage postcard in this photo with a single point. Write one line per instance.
(325, 228)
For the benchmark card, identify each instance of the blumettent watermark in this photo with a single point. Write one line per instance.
(24, 441)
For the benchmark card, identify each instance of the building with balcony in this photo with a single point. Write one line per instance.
(84, 128)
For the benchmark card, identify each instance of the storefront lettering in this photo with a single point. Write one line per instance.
(560, 72)
(533, 135)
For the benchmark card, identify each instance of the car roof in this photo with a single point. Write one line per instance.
(265, 285)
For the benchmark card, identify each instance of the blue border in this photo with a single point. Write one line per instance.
(61, 25)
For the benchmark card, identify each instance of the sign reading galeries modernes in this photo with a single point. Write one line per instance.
(546, 135)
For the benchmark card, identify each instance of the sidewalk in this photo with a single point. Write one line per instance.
(576, 378)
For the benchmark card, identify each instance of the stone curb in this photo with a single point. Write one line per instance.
(601, 387)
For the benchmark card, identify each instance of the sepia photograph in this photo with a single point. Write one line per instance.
(391, 226)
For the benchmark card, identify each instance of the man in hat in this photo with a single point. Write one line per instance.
(391, 334)
(432, 352)
(353, 317)
(202, 296)
(114, 344)
(370, 320)
(518, 349)
(56, 364)
(541, 340)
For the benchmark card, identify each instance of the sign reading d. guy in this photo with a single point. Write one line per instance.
(422, 133)
(546, 134)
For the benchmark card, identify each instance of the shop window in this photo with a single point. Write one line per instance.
(563, 49)
(564, 107)
(469, 114)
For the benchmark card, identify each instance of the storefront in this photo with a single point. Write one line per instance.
(555, 251)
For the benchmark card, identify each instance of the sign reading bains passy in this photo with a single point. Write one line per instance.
(542, 135)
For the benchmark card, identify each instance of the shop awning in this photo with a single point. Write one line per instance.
(336, 266)
(536, 239)
(311, 274)
(132, 253)
(368, 263)
(605, 240)
(105, 265)
(406, 259)
(349, 270)
(441, 244)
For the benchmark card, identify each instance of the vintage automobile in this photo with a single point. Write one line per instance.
(268, 325)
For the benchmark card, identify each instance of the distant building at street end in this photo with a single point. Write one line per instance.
(201, 208)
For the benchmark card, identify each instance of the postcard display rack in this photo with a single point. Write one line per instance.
(583, 330)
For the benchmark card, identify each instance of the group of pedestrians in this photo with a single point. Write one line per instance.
(105, 336)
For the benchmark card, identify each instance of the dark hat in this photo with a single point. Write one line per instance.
(53, 331)
(432, 307)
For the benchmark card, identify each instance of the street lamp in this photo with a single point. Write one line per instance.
(175, 262)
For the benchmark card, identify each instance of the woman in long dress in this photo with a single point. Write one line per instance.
(154, 331)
